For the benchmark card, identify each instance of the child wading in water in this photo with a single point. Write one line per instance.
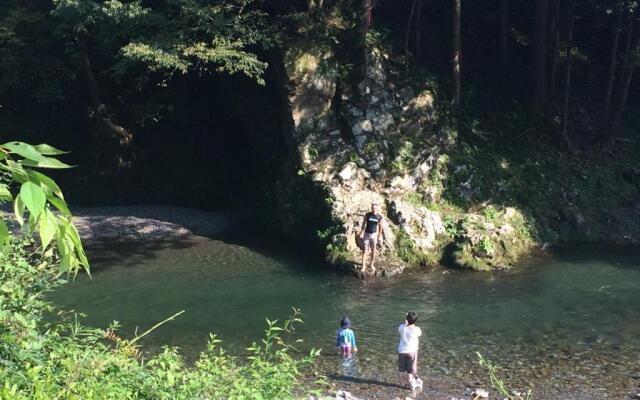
(408, 352)
(346, 339)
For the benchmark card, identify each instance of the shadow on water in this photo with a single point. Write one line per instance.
(130, 254)
(362, 381)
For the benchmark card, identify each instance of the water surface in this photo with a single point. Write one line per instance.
(565, 324)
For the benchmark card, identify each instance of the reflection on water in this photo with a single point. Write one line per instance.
(556, 323)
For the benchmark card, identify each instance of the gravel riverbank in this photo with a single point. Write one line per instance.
(149, 223)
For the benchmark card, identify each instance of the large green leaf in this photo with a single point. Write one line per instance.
(19, 174)
(46, 183)
(48, 228)
(47, 150)
(18, 210)
(46, 162)
(5, 194)
(33, 198)
(60, 205)
(25, 150)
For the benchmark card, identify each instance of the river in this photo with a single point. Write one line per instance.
(563, 323)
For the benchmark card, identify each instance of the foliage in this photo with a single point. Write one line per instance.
(181, 36)
(68, 360)
(39, 196)
(499, 385)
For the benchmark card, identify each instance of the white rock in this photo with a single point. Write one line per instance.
(480, 393)
(348, 172)
(383, 122)
(362, 126)
(404, 182)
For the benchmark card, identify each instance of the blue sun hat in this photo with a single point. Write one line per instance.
(345, 323)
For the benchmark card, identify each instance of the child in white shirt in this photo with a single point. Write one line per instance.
(408, 352)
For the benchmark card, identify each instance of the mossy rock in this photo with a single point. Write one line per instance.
(495, 239)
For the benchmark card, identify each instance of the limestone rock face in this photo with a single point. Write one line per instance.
(421, 225)
(314, 87)
(363, 154)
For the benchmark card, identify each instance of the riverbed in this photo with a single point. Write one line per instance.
(564, 323)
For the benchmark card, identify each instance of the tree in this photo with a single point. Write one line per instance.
(630, 62)
(564, 135)
(612, 63)
(457, 51)
(540, 55)
(554, 45)
(504, 30)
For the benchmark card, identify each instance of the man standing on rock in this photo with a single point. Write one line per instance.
(370, 233)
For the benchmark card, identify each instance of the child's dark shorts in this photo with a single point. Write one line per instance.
(408, 362)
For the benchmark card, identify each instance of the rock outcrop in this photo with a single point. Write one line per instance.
(360, 148)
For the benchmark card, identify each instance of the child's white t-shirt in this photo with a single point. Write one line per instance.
(409, 335)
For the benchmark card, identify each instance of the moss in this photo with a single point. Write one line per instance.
(408, 252)
(493, 239)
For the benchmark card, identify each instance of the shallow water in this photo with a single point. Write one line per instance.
(564, 324)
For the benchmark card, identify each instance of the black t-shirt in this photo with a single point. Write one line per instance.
(372, 221)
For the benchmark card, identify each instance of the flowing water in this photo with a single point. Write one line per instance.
(565, 324)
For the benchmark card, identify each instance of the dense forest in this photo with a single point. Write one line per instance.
(191, 102)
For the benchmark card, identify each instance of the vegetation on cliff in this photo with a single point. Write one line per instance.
(282, 105)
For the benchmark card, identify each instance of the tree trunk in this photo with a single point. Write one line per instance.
(540, 55)
(406, 40)
(100, 113)
(612, 68)
(564, 135)
(418, 31)
(633, 45)
(504, 31)
(360, 44)
(554, 46)
(456, 59)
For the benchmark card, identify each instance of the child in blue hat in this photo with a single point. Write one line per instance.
(346, 339)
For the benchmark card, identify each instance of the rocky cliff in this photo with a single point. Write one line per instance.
(380, 140)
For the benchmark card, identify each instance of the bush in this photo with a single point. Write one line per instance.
(67, 360)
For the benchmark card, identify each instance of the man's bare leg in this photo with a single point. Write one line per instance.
(364, 258)
(373, 260)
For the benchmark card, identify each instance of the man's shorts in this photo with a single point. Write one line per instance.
(408, 362)
(370, 240)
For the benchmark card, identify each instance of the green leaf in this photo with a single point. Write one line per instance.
(4, 233)
(47, 150)
(46, 162)
(47, 184)
(5, 194)
(18, 210)
(60, 205)
(33, 197)
(25, 150)
(48, 228)
(18, 173)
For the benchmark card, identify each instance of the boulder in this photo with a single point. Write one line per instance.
(359, 141)
(421, 103)
(421, 225)
(348, 172)
(362, 126)
(383, 121)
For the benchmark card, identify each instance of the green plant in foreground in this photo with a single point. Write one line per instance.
(67, 360)
(498, 384)
(39, 196)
